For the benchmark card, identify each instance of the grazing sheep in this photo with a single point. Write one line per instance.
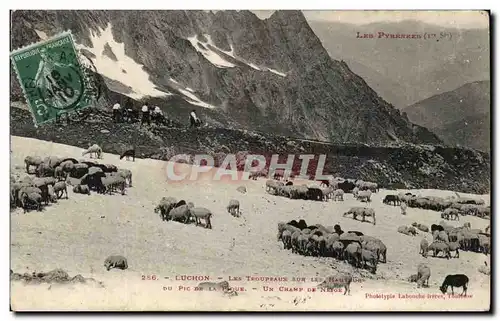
(352, 254)
(93, 150)
(337, 249)
(31, 200)
(364, 196)
(449, 213)
(424, 247)
(338, 194)
(51, 195)
(127, 175)
(361, 211)
(484, 243)
(422, 227)
(79, 170)
(181, 214)
(44, 170)
(314, 194)
(412, 230)
(337, 281)
(212, 286)
(455, 280)
(52, 161)
(299, 192)
(423, 274)
(273, 185)
(81, 189)
(327, 193)
(485, 269)
(286, 237)
(233, 207)
(241, 189)
(59, 173)
(60, 189)
(165, 206)
(443, 236)
(375, 245)
(116, 261)
(113, 183)
(404, 230)
(368, 256)
(437, 247)
(127, 154)
(394, 199)
(330, 240)
(201, 213)
(32, 161)
(454, 246)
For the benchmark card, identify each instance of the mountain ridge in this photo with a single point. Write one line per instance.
(460, 116)
(284, 82)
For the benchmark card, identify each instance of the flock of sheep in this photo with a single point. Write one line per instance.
(362, 251)
(53, 175)
(450, 207)
(171, 209)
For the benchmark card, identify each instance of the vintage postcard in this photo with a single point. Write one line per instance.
(180, 160)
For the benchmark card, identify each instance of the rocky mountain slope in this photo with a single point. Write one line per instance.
(236, 70)
(405, 71)
(397, 166)
(460, 117)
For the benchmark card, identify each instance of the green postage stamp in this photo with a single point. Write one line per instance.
(51, 76)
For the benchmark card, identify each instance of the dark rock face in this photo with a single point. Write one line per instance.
(319, 97)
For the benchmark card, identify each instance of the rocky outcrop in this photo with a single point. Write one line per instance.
(280, 79)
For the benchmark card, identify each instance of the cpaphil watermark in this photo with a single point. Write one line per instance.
(237, 167)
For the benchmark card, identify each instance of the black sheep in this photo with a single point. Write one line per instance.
(455, 280)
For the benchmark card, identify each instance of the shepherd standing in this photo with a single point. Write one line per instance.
(145, 114)
(116, 112)
(195, 121)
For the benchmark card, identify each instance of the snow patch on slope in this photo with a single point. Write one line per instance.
(277, 72)
(41, 34)
(191, 97)
(233, 55)
(194, 100)
(135, 77)
(210, 55)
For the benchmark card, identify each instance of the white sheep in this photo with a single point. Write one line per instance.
(338, 194)
(60, 189)
(126, 174)
(32, 161)
(94, 149)
(201, 213)
(364, 196)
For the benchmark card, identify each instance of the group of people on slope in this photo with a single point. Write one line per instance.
(148, 114)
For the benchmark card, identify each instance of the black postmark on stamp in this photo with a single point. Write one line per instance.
(54, 80)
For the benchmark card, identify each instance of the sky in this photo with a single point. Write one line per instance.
(455, 19)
